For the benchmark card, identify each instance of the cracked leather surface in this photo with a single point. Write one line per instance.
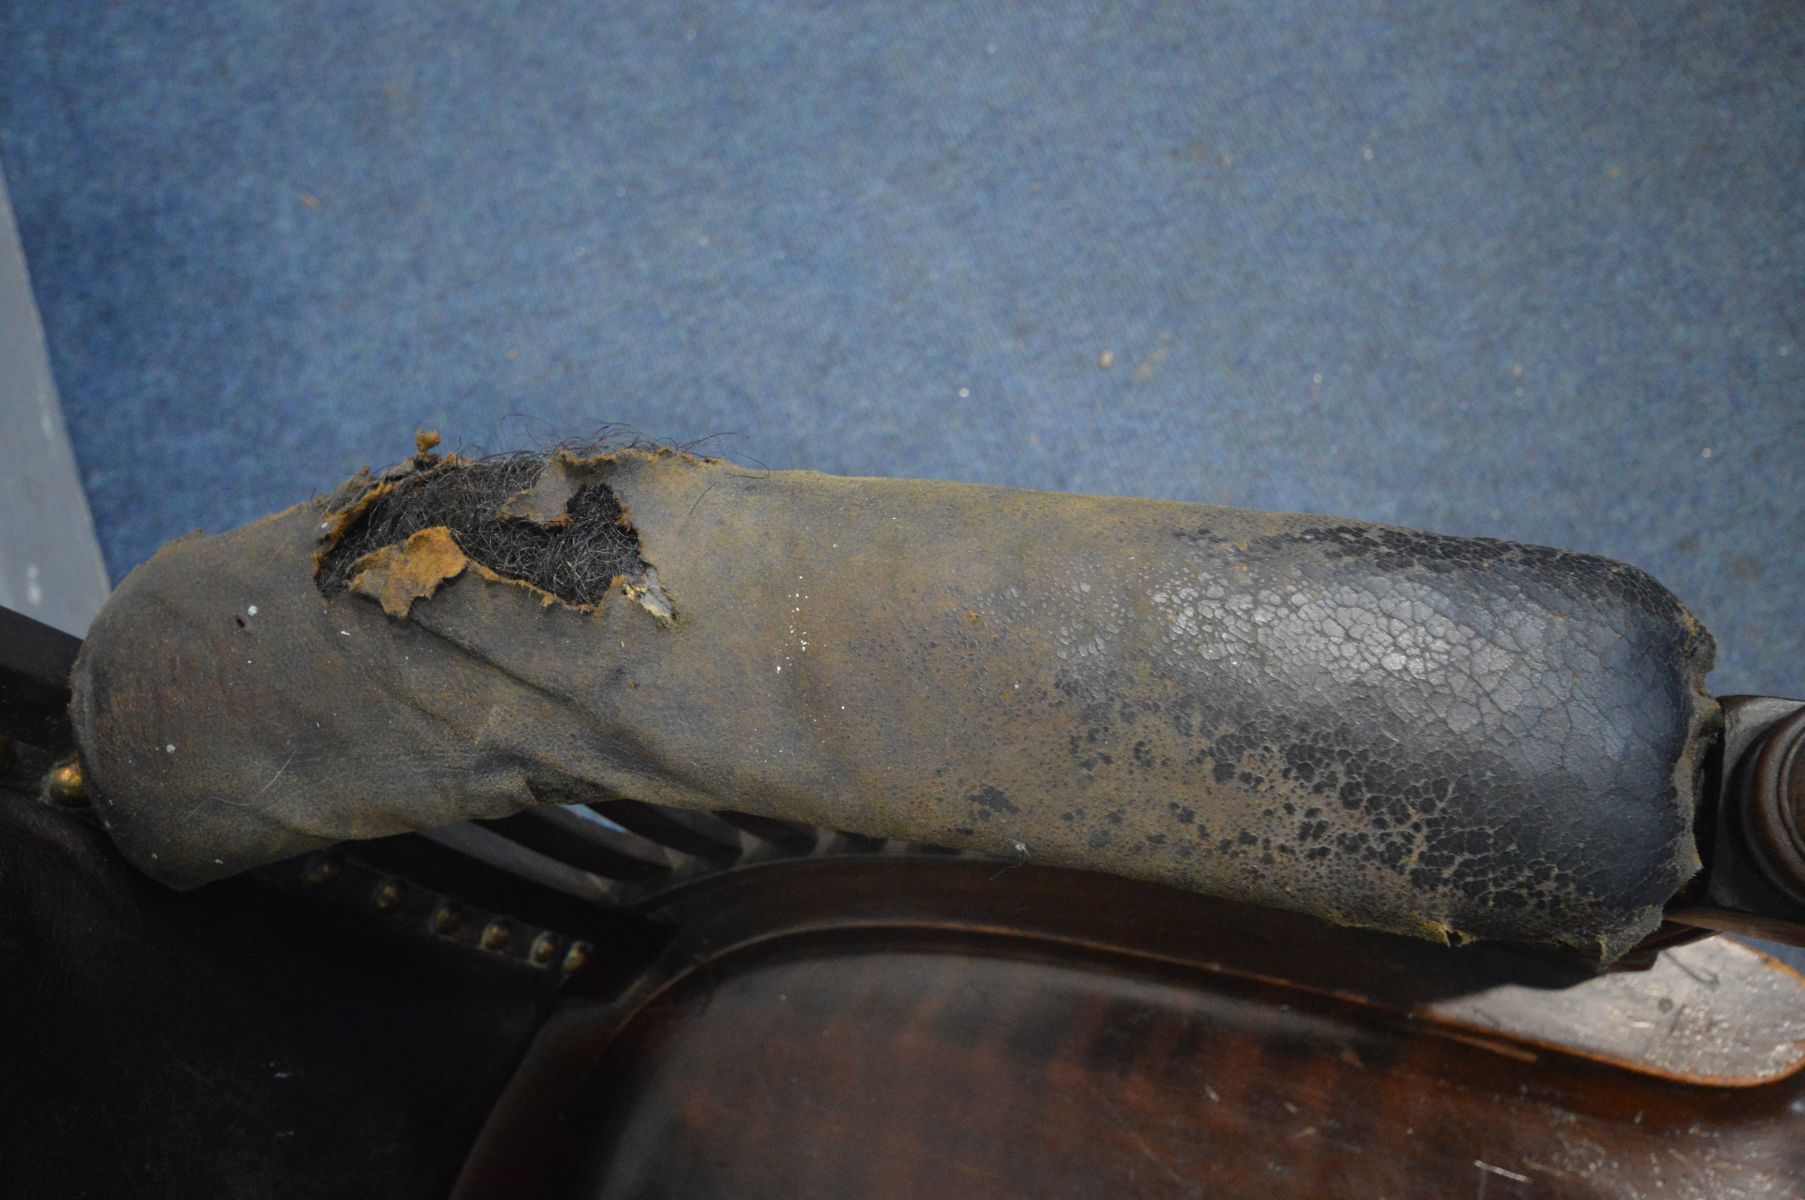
(1448, 737)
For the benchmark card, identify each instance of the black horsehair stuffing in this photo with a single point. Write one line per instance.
(575, 560)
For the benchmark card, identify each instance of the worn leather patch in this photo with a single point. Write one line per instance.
(1449, 737)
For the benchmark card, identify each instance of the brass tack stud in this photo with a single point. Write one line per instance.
(446, 919)
(576, 957)
(545, 948)
(321, 873)
(387, 897)
(66, 785)
(496, 935)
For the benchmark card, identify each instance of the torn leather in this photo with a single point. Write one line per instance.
(1448, 737)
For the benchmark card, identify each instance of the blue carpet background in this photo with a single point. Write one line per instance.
(1531, 271)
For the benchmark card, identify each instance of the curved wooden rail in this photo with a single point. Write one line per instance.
(903, 1026)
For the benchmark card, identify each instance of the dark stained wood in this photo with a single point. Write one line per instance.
(847, 1071)
(938, 1028)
